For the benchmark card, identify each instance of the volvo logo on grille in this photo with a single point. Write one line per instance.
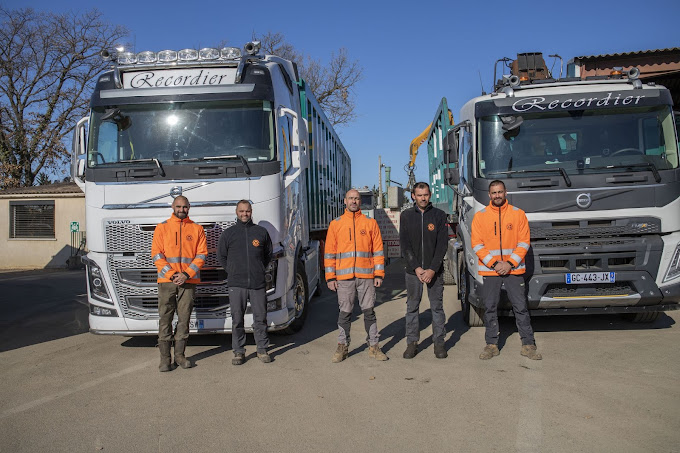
(176, 191)
(583, 200)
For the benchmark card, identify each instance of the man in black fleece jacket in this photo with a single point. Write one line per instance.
(423, 238)
(244, 251)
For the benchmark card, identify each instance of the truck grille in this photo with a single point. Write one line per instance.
(201, 303)
(595, 290)
(596, 228)
(134, 275)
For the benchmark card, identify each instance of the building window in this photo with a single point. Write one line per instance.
(31, 219)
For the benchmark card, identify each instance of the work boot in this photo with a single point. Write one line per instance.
(180, 358)
(411, 350)
(374, 352)
(440, 350)
(341, 353)
(238, 359)
(264, 357)
(490, 350)
(529, 351)
(164, 347)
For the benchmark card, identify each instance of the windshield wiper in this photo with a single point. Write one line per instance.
(188, 159)
(246, 168)
(562, 171)
(650, 165)
(141, 161)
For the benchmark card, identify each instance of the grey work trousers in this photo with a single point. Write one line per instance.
(173, 298)
(238, 297)
(491, 292)
(348, 291)
(414, 293)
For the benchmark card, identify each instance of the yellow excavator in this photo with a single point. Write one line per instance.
(413, 150)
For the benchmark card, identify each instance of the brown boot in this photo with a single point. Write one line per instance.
(529, 351)
(180, 358)
(164, 347)
(490, 350)
(341, 353)
(374, 352)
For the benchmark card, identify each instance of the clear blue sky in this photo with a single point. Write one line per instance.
(413, 53)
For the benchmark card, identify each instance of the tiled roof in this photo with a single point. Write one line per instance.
(625, 54)
(57, 188)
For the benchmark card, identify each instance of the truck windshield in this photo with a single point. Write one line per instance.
(181, 133)
(580, 141)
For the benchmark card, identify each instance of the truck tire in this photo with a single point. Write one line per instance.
(448, 275)
(645, 317)
(300, 293)
(473, 316)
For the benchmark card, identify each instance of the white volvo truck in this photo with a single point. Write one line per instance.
(593, 163)
(217, 126)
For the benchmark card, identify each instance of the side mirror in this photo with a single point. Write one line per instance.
(451, 147)
(451, 176)
(295, 136)
(79, 151)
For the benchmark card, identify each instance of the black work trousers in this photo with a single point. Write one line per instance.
(238, 298)
(491, 292)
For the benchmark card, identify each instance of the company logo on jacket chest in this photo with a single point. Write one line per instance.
(256, 243)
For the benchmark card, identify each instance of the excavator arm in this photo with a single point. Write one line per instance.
(413, 150)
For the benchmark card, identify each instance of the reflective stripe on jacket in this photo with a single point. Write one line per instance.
(354, 248)
(500, 234)
(179, 246)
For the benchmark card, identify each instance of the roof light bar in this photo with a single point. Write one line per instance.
(169, 56)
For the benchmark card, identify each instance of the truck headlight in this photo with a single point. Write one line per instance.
(674, 267)
(95, 278)
(270, 276)
(274, 305)
(102, 311)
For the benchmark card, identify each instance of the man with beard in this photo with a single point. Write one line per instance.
(423, 238)
(500, 238)
(179, 250)
(355, 266)
(244, 251)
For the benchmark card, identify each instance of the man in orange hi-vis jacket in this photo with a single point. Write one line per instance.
(355, 266)
(179, 250)
(500, 238)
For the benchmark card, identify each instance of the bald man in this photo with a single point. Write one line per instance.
(355, 266)
(179, 250)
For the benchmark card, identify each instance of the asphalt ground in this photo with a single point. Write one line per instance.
(604, 385)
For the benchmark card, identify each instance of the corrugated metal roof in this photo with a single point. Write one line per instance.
(625, 54)
(57, 188)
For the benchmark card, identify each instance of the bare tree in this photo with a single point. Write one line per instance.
(48, 66)
(332, 85)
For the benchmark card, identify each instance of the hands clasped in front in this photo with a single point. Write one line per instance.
(502, 268)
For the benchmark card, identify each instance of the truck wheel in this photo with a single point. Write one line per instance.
(300, 292)
(641, 317)
(473, 316)
(449, 278)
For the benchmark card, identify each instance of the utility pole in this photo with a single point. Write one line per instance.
(380, 192)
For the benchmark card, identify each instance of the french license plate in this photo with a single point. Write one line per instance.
(194, 324)
(580, 278)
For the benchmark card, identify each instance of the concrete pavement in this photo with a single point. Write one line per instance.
(604, 385)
